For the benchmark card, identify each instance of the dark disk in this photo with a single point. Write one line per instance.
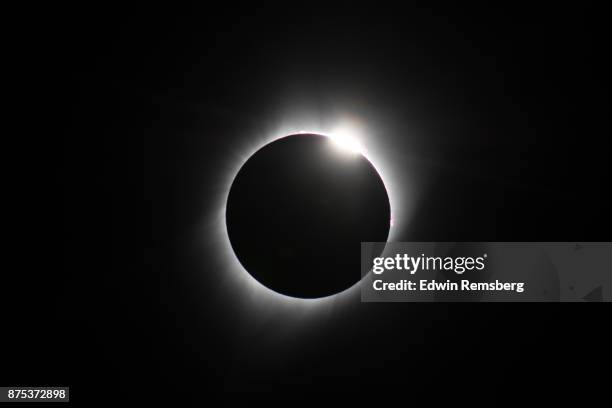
(297, 212)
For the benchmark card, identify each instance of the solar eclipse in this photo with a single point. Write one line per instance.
(298, 210)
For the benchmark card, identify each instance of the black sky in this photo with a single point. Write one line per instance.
(505, 113)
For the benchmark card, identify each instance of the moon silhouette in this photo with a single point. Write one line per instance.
(298, 210)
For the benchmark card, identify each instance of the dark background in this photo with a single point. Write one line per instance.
(152, 104)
